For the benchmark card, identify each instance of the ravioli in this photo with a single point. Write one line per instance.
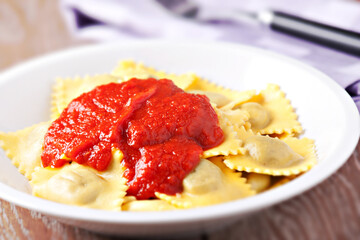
(236, 117)
(81, 185)
(130, 69)
(231, 144)
(65, 90)
(259, 116)
(272, 156)
(283, 117)
(148, 205)
(259, 182)
(216, 98)
(282, 181)
(210, 183)
(24, 147)
(205, 85)
(270, 112)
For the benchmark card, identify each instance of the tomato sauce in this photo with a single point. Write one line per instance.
(161, 130)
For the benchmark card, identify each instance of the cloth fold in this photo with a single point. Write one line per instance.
(114, 20)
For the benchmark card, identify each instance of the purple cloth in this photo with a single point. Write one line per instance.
(113, 20)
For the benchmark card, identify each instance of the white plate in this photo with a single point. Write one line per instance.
(326, 112)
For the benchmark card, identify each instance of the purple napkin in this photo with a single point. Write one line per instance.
(113, 20)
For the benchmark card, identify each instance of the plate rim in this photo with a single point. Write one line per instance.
(218, 211)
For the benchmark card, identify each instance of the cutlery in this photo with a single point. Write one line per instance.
(322, 34)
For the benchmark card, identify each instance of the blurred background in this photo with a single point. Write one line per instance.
(33, 27)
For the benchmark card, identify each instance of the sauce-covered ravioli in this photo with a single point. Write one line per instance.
(242, 116)
(211, 183)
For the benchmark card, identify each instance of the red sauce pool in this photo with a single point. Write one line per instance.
(161, 130)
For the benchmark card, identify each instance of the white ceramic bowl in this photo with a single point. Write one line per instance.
(326, 112)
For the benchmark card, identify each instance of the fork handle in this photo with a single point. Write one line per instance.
(322, 34)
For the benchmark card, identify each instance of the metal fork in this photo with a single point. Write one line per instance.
(322, 34)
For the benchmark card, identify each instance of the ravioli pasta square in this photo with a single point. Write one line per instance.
(260, 150)
(231, 95)
(148, 205)
(236, 117)
(210, 183)
(24, 147)
(65, 90)
(231, 144)
(258, 182)
(270, 112)
(83, 186)
(130, 69)
(272, 156)
(283, 117)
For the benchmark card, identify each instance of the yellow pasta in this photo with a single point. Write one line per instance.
(259, 116)
(231, 144)
(277, 111)
(24, 147)
(283, 118)
(283, 181)
(270, 111)
(246, 96)
(210, 183)
(81, 185)
(243, 133)
(216, 98)
(65, 90)
(258, 182)
(147, 205)
(205, 85)
(130, 69)
(236, 117)
(266, 155)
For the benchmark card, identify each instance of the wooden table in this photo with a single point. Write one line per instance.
(329, 211)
